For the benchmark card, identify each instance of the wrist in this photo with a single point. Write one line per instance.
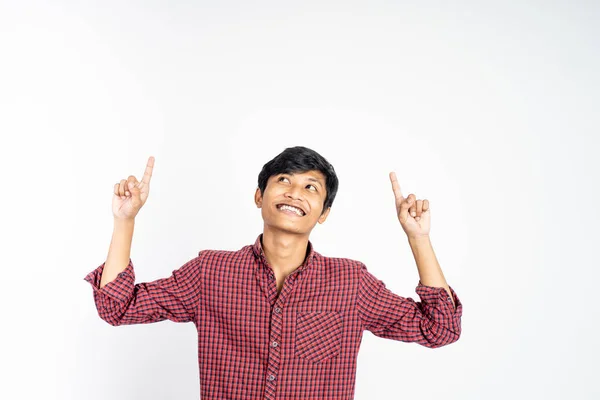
(419, 239)
(124, 222)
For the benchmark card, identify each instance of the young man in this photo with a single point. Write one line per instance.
(276, 319)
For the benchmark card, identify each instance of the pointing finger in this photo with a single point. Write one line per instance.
(396, 188)
(148, 172)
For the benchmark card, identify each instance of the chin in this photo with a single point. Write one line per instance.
(289, 228)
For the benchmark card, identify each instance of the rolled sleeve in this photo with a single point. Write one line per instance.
(439, 308)
(122, 302)
(431, 322)
(119, 289)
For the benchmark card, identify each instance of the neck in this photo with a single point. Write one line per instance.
(284, 251)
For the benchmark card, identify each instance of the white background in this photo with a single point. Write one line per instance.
(487, 109)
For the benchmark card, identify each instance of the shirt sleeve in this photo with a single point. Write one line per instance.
(432, 322)
(122, 302)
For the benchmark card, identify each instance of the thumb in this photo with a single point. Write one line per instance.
(133, 188)
(136, 197)
(404, 208)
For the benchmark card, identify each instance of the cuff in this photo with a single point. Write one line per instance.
(437, 297)
(119, 288)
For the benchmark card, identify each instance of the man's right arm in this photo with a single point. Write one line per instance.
(119, 251)
(120, 301)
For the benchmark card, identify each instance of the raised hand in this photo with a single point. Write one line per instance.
(130, 195)
(414, 215)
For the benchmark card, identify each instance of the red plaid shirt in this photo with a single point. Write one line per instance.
(302, 343)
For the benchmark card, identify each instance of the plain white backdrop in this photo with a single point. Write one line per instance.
(487, 109)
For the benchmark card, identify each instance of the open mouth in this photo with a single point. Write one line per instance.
(290, 210)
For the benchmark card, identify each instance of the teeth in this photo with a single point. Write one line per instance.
(294, 209)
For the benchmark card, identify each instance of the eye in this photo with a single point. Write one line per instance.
(283, 177)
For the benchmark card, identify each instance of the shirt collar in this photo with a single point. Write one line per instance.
(257, 249)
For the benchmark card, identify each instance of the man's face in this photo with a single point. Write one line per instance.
(303, 190)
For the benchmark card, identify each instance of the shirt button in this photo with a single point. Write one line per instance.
(274, 344)
(271, 377)
(277, 310)
(122, 274)
(449, 299)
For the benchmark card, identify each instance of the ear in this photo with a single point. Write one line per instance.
(323, 217)
(258, 198)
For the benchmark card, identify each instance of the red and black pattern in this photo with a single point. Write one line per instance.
(301, 343)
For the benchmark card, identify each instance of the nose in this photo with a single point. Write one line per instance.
(294, 192)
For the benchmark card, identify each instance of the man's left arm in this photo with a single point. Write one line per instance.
(431, 322)
(415, 218)
(430, 273)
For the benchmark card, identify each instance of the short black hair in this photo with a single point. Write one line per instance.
(301, 159)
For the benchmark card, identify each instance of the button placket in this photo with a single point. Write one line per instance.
(275, 345)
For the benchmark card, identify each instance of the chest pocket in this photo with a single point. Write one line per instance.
(318, 335)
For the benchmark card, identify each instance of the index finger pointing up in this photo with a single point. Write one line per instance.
(396, 187)
(148, 171)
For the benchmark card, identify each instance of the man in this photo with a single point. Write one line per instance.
(276, 319)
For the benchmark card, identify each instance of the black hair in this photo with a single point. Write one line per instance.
(301, 159)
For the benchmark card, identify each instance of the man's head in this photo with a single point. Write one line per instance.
(300, 177)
